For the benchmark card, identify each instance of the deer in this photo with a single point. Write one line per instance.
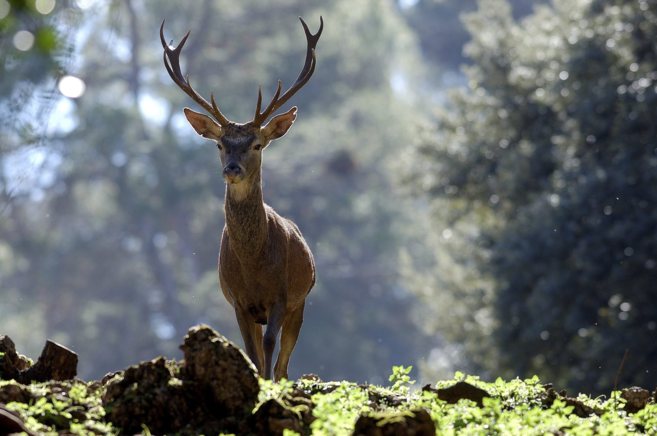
(266, 268)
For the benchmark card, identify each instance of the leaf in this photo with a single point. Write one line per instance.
(46, 39)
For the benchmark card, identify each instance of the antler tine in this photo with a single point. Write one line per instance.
(312, 42)
(171, 59)
(216, 111)
(257, 111)
(305, 74)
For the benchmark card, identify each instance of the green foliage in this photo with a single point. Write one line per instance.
(72, 407)
(400, 378)
(519, 407)
(515, 407)
(541, 176)
(336, 412)
(440, 30)
(273, 390)
(647, 419)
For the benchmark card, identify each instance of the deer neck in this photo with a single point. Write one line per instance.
(246, 220)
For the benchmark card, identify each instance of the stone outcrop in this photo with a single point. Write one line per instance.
(214, 389)
(219, 371)
(55, 363)
(11, 363)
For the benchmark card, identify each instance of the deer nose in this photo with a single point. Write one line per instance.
(232, 170)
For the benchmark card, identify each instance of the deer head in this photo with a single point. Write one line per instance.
(241, 145)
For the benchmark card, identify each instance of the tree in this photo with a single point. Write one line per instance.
(128, 261)
(546, 164)
(441, 31)
(34, 55)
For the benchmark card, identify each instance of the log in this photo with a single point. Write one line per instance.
(10, 423)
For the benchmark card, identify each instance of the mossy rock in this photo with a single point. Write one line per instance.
(406, 423)
(214, 389)
(147, 394)
(218, 370)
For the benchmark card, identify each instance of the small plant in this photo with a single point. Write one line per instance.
(270, 389)
(70, 407)
(400, 378)
(336, 412)
(647, 419)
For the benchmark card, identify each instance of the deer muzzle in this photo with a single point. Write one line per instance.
(233, 172)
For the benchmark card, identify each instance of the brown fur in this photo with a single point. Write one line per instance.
(266, 269)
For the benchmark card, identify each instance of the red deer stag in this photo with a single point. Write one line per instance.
(266, 269)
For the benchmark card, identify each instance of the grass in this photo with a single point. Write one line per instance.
(513, 407)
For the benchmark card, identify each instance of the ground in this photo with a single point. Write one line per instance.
(215, 390)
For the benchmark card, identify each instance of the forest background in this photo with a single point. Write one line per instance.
(476, 180)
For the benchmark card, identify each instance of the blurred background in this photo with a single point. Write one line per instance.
(476, 179)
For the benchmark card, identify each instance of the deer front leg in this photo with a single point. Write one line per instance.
(257, 340)
(274, 323)
(250, 336)
(289, 336)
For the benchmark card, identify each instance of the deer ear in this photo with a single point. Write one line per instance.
(279, 125)
(203, 124)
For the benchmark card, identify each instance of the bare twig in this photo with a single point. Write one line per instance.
(620, 368)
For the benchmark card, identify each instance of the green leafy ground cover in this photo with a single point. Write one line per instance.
(311, 406)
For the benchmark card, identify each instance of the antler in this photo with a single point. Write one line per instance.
(305, 74)
(171, 59)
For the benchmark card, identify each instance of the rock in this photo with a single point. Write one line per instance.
(460, 391)
(409, 423)
(214, 390)
(109, 376)
(55, 363)
(273, 417)
(11, 363)
(579, 407)
(311, 377)
(147, 394)
(219, 371)
(636, 398)
(14, 391)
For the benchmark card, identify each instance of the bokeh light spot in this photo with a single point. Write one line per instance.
(86, 4)
(5, 7)
(44, 6)
(23, 40)
(71, 86)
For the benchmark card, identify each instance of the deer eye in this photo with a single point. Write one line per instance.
(257, 146)
(219, 146)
